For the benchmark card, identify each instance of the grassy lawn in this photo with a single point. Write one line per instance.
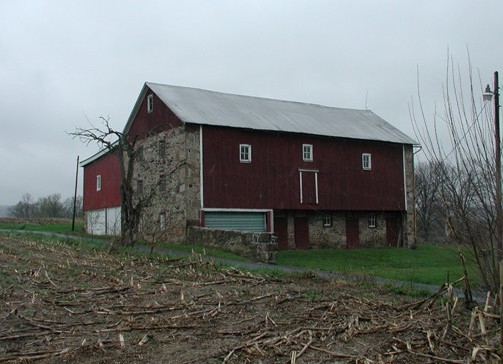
(60, 227)
(429, 264)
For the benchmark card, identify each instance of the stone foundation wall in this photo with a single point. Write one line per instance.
(258, 246)
(334, 236)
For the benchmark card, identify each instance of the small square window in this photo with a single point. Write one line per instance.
(150, 103)
(367, 161)
(98, 182)
(162, 148)
(307, 152)
(372, 220)
(139, 186)
(245, 153)
(327, 219)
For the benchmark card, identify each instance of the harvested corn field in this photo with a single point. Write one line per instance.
(64, 303)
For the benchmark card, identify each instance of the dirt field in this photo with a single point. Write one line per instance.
(65, 304)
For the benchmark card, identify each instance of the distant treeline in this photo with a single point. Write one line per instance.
(47, 206)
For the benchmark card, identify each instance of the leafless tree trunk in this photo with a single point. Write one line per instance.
(458, 141)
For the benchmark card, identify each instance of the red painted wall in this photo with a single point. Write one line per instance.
(160, 119)
(109, 196)
(271, 180)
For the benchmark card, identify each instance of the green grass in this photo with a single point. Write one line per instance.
(430, 264)
(62, 228)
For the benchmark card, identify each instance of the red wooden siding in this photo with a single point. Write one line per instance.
(272, 179)
(109, 195)
(160, 119)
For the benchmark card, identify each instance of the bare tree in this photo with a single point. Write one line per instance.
(130, 154)
(458, 141)
(430, 212)
(124, 147)
(24, 208)
(50, 206)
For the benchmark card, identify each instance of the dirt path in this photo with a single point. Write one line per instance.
(64, 304)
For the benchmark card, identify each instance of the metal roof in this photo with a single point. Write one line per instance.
(197, 106)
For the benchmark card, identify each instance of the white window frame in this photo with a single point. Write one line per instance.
(372, 221)
(150, 103)
(327, 219)
(98, 182)
(245, 153)
(307, 152)
(367, 161)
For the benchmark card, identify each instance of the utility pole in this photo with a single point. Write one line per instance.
(75, 195)
(499, 215)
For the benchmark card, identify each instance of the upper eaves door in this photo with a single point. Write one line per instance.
(308, 180)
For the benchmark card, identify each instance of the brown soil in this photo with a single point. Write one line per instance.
(60, 303)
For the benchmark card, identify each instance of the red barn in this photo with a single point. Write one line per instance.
(314, 175)
(102, 201)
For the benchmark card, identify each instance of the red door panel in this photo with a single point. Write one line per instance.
(308, 187)
(352, 232)
(281, 231)
(301, 231)
(392, 231)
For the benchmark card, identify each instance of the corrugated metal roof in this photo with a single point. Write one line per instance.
(197, 106)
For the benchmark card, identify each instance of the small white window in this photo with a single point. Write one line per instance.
(367, 161)
(307, 152)
(245, 153)
(162, 221)
(98, 182)
(372, 220)
(150, 103)
(327, 219)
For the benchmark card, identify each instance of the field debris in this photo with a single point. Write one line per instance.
(63, 303)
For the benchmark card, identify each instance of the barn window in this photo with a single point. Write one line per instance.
(307, 152)
(162, 183)
(162, 221)
(98, 182)
(150, 103)
(327, 219)
(372, 220)
(245, 153)
(367, 161)
(139, 186)
(162, 148)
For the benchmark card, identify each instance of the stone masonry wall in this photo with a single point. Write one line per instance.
(169, 176)
(334, 236)
(258, 246)
(409, 222)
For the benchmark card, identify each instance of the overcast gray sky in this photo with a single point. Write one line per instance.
(63, 61)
